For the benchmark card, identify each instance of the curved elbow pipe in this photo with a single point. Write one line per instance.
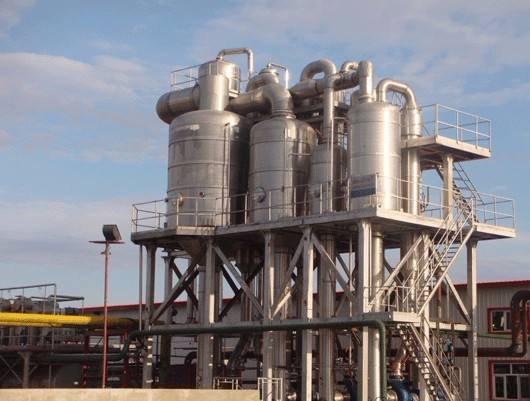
(265, 77)
(325, 66)
(174, 103)
(240, 50)
(519, 320)
(273, 98)
(349, 65)
(388, 84)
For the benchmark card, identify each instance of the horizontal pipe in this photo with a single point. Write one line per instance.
(273, 98)
(174, 103)
(249, 327)
(315, 87)
(49, 320)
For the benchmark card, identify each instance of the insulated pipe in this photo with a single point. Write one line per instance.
(519, 320)
(325, 66)
(285, 325)
(47, 320)
(266, 76)
(174, 103)
(388, 84)
(240, 50)
(349, 65)
(272, 97)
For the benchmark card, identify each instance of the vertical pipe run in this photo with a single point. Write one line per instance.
(207, 316)
(280, 338)
(472, 338)
(362, 294)
(268, 297)
(326, 298)
(306, 384)
(377, 278)
(147, 381)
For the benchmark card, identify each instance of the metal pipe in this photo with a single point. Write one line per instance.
(50, 320)
(174, 103)
(519, 320)
(285, 72)
(349, 65)
(220, 328)
(266, 76)
(272, 98)
(240, 50)
(388, 84)
(366, 78)
(325, 66)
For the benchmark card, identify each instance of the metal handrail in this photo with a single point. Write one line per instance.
(492, 209)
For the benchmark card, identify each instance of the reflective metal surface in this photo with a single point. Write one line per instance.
(280, 153)
(375, 148)
(208, 158)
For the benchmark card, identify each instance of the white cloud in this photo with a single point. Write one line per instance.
(116, 93)
(439, 47)
(10, 11)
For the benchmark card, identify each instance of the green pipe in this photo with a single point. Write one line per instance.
(283, 325)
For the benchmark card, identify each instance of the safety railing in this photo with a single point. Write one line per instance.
(270, 389)
(184, 77)
(313, 200)
(227, 383)
(459, 125)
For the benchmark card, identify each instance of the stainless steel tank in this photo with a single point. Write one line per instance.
(208, 160)
(320, 186)
(375, 149)
(280, 155)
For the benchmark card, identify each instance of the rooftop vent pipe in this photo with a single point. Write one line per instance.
(240, 50)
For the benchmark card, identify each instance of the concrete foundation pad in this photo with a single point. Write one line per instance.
(93, 394)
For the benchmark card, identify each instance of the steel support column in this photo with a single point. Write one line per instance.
(377, 277)
(281, 261)
(268, 298)
(147, 381)
(207, 315)
(362, 294)
(448, 187)
(326, 298)
(306, 385)
(165, 341)
(472, 339)
(423, 387)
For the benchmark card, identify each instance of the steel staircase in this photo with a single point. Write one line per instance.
(426, 350)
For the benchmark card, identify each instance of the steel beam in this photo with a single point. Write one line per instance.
(267, 350)
(472, 338)
(306, 372)
(147, 372)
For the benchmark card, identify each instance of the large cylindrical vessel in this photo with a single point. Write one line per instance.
(374, 150)
(208, 159)
(325, 195)
(280, 154)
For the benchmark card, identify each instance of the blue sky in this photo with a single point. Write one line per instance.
(80, 141)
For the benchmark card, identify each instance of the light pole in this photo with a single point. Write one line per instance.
(112, 236)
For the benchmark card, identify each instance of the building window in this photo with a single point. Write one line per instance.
(500, 320)
(511, 380)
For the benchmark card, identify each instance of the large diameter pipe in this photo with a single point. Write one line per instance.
(273, 98)
(240, 50)
(49, 320)
(174, 103)
(219, 328)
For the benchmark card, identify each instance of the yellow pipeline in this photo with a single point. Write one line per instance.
(48, 320)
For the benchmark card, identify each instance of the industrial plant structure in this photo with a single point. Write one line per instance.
(318, 242)
(277, 192)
